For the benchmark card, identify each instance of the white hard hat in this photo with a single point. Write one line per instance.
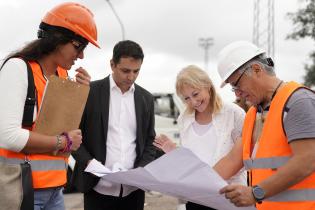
(233, 56)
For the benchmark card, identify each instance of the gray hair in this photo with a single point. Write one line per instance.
(265, 62)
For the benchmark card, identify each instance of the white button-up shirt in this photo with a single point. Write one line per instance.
(121, 137)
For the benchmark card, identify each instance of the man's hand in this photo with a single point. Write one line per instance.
(239, 195)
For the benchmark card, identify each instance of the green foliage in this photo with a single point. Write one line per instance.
(309, 78)
(304, 27)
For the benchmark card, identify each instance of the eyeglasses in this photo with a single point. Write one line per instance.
(78, 45)
(234, 85)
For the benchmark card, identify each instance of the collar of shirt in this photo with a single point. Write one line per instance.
(190, 117)
(187, 119)
(113, 85)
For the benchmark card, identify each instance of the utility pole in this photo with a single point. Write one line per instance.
(263, 30)
(119, 20)
(205, 43)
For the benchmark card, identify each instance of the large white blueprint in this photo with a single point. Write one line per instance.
(181, 174)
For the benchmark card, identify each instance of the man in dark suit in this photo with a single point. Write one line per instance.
(117, 128)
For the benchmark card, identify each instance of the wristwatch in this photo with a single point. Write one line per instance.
(258, 193)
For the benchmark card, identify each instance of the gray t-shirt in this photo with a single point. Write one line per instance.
(299, 116)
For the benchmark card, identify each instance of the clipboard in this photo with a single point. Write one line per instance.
(62, 106)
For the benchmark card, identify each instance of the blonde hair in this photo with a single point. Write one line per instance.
(195, 77)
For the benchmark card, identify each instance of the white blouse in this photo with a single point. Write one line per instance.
(13, 91)
(225, 128)
(198, 141)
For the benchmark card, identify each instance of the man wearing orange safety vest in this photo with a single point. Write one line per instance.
(63, 34)
(278, 139)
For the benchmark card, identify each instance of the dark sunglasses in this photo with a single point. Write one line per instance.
(78, 45)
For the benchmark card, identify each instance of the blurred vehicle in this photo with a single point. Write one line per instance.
(167, 107)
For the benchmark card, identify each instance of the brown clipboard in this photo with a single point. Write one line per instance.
(62, 106)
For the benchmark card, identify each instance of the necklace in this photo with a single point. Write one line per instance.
(260, 107)
(275, 91)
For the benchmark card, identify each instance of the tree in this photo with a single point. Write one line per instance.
(304, 27)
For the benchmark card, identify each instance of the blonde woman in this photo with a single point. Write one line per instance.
(208, 127)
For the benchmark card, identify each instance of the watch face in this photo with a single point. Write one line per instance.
(258, 192)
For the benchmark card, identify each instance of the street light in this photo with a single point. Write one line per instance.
(120, 22)
(205, 43)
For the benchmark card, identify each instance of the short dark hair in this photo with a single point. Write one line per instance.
(127, 48)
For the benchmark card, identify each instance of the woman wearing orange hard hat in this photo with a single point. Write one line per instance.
(63, 35)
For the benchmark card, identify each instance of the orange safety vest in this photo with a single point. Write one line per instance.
(47, 171)
(272, 153)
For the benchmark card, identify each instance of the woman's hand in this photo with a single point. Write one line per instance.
(164, 143)
(76, 138)
(82, 76)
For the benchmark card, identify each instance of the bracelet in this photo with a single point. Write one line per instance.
(58, 143)
(65, 147)
(68, 145)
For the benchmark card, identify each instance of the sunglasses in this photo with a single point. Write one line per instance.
(78, 45)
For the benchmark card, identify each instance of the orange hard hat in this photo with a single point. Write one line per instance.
(74, 17)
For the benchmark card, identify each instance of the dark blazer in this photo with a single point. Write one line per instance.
(94, 126)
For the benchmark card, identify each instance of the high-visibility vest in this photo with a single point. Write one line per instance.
(272, 153)
(47, 171)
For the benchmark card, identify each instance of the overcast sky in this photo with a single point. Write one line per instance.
(168, 31)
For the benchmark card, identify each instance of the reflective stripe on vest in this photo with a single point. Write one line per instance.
(47, 170)
(294, 195)
(272, 163)
(38, 165)
(273, 152)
